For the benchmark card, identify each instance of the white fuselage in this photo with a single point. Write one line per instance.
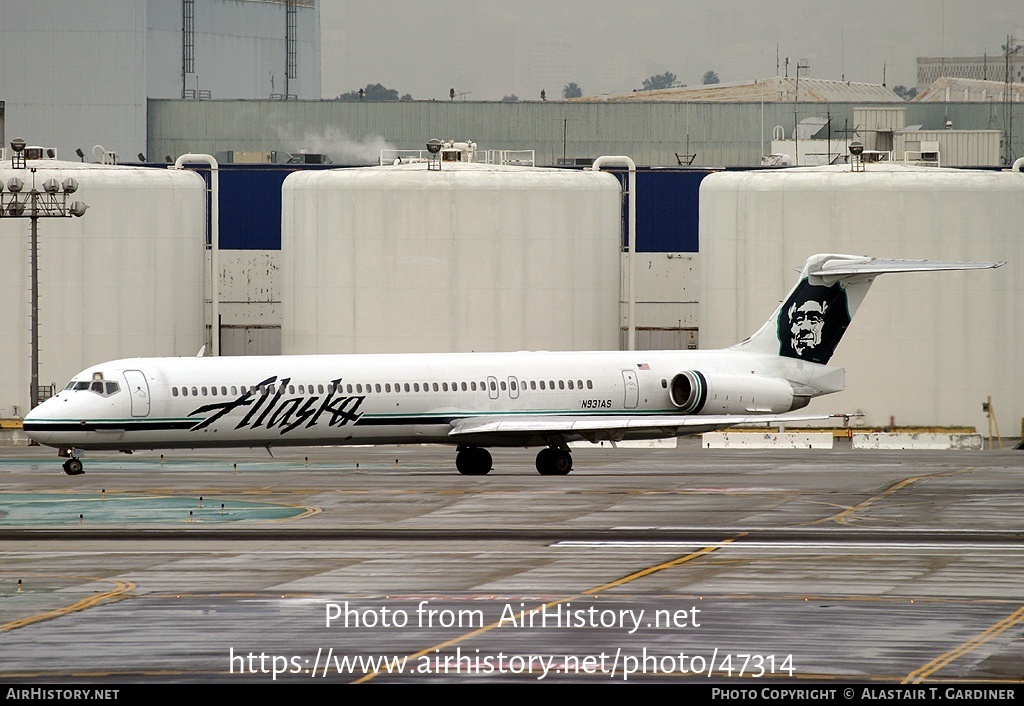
(399, 398)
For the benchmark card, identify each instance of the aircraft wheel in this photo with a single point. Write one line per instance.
(554, 462)
(562, 462)
(473, 461)
(73, 467)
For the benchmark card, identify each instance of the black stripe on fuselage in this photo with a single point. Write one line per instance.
(87, 425)
(131, 426)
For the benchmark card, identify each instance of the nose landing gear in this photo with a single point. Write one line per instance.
(73, 466)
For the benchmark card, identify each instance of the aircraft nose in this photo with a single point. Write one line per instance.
(36, 423)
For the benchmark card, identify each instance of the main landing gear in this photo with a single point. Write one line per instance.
(554, 462)
(473, 461)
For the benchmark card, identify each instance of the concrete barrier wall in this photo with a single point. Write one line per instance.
(13, 437)
(766, 440)
(918, 441)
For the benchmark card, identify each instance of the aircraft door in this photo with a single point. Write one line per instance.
(632, 389)
(513, 387)
(138, 388)
(492, 387)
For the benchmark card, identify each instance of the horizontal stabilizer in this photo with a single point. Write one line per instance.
(879, 266)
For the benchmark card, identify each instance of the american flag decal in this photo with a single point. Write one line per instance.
(643, 366)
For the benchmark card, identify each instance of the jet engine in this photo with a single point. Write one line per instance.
(694, 392)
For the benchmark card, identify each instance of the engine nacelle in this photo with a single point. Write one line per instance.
(694, 392)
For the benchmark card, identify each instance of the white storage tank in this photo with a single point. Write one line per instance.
(469, 257)
(126, 279)
(925, 348)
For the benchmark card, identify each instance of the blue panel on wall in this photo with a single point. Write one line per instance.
(667, 210)
(250, 204)
(250, 207)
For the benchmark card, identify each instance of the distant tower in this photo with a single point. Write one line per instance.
(188, 42)
(290, 46)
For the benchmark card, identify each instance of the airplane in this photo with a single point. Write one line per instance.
(474, 400)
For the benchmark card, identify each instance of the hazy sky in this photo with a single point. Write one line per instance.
(487, 49)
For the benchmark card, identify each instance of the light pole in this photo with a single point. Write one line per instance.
(50, 202)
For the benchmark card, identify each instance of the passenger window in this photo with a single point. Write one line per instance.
(533, 384)
(542, 384)
(579, 384)
(204, 392)
(435, 387)
(195, 391)
(561, 384)
(174, 392)
(473, 385)
(291, 389)
(512, 384)
(234, 390)
(570, 384)
(444, 387)
(415, 387)
(590, 384)
(664, 383)
(359, 388)
(406, 387)
(463, 387)
(387, 387)
(493, 387)
(320, 389)
(376, 387)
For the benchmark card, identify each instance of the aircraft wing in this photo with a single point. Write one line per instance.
(499, 429)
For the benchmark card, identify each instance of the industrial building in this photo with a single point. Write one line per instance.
(503, 256)
(1003, 68)
(78, 75)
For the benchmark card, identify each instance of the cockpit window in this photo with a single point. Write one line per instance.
(98, 385)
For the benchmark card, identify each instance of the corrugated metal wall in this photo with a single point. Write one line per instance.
(720, 134)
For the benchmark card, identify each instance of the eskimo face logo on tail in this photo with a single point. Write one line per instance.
(812, 322)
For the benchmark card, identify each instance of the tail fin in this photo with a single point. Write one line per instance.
(812, 319)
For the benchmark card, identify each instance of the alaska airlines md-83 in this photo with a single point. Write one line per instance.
(473, 400)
